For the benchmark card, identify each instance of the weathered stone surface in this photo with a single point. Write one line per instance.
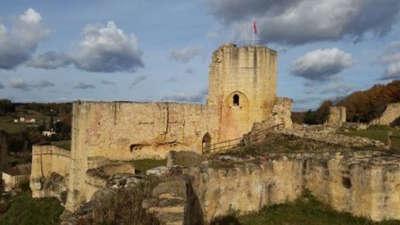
(364, 183)
(158, 171)
(48, 160)
(337, 116)
(391, 113)
(183, 158)
(328, 135)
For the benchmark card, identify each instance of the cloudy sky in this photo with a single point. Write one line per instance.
(160, 50)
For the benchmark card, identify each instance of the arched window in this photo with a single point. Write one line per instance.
(206, 143)
(236, 99)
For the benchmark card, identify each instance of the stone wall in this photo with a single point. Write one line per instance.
(391, 113)
(126, 130)
(337, 116)
(362, 183)
(14, 177)
(48, 160)
(12, 182)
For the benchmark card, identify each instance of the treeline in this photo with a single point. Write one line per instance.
(361, 106)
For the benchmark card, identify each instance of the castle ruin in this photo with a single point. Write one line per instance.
(242, 92)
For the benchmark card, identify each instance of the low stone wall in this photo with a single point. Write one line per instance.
(12, 182)
(362, 183)
(391, 113)
(48, 161)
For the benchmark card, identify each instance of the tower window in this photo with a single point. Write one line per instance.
(236, 99)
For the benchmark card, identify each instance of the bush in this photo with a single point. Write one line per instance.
(24, 210)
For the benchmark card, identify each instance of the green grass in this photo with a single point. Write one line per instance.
(305, 211)
(63, 144)
(145, 164)
(378, 133)
(7, 124)
(24, 210)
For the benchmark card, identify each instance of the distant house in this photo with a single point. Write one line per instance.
(31, 120)
(15, 176)
(25, 120)
(48, 133)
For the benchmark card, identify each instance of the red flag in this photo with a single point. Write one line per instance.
(255, 27)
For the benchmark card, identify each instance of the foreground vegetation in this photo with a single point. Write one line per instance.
(24, 210)
(305, 211)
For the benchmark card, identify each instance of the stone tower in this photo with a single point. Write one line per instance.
(242, 87)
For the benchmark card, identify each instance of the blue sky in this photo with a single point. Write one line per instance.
(144, 50)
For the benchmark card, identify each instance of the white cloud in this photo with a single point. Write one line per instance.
(198, 97)
(303, 21)
(50, 60)
(138, 80)
(391, 59)
(184, 55)
(321, 64)
(43, 84)
(107, 49)
(103, 48)
(20, 42)
(82, 85)
(189, 71)
(107, 82)
(19, 83)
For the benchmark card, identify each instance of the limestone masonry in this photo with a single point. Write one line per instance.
(337, 116)
(391, 113)
(239, 151)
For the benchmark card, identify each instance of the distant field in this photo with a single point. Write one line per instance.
(7, 124)
(305, 211)
(378, 133)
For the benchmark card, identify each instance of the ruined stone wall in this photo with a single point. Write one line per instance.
(337, 116)
(46, 160)
(391, 113)
(249, 72)
(126, 131)
(246, 187)
(13, 181)
(363, 183)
